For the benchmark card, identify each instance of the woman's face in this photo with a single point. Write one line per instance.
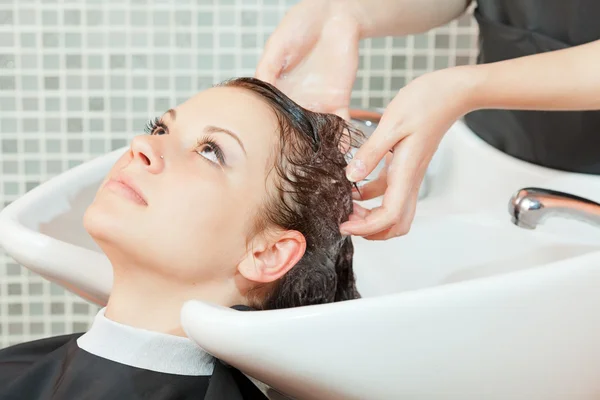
(184, 198)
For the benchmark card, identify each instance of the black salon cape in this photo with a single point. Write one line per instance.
(57, 369)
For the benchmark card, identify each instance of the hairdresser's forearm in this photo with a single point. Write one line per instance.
(561, 80)
(402, 17)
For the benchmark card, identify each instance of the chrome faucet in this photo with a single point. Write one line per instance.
(530, 207)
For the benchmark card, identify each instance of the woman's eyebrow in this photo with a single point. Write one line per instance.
(214, 129)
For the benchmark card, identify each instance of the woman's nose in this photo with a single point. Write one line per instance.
(147, 153)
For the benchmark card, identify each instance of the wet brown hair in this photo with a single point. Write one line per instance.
(312, 196)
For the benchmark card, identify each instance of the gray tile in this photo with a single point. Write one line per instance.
(227, 40)
(74, 104)
(74, 82)
(13, 269)
(118, 61)
(28, 39)
(95, 40)
(440, 62)
(97, 146)
(118, 124)
(10, 146)
(50, 40)
(7, 61)
(96, 104)
(117, 82)
(421, 41)
(15, 309)
(6, 17)
(94, 17)
(52, 104)
(161, 62)
(7, 39)
(36, 288)
(138, 18)
(376, 102)
(204, 82)
(271, 18)
(117, 143)
(7, 104)
(183, 61)
(73, 61)
(377, 62)
(116, 17)
(118, 104)
(52, 125)
(36, 328)
(81, 308)
(205, 62)
(32, 167)
(139, 104)
(7, 83)
(138, 39)
(49, 18)
(442, 41)
(36, 309)
(8, 125)
(227, 61)
(249, 40)
(161, 83)
(72, 17)
(358, 83)
(51, 83)
(80, 327)
(464, 41)
(51, 61)
(28, 82)
(249, 18)
(376, 83)
(11, 189)
(249, 61)
(398, 62)
(96, 125)
(27, 16)
(139, 61)
(10, 167)
(183, 18)
(31, 125)
(95, 61)
(399, 42)
(28, 104)
(57, 328)
(14, 289)
(205, 41)
(54, 167)
(463, 60)
(139, 82)
(162, 39)
(205, 18)
(183, 40)
(53, 146)
(160, 18)
(31, 146)
(117, 40)
(420, 62)
(29, 61)
(56, 290)
(72, 40)
(74, 146)
(74, 125)
(95, 82)
(226, 17)
(161, 104)
(183, 83)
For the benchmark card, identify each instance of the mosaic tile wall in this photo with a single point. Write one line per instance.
(81, 77)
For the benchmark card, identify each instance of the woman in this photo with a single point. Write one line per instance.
(534, 55)
(235, 197)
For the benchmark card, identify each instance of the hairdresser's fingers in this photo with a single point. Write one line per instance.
(377, 187)
(389, 132)
(403, 180)
(399, 228)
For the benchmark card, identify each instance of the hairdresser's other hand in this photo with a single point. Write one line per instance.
(412, 126)
(312, 56)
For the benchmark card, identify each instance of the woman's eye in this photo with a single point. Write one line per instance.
(210, 152)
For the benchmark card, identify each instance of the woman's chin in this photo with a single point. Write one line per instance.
(108, 222)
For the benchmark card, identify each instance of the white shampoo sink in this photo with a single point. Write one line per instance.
(466, 306)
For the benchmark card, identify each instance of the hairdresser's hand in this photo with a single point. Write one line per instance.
(312, 56)
(412, 127)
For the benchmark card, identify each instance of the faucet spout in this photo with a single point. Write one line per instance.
(530, 207)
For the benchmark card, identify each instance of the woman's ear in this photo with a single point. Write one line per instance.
(272, 256)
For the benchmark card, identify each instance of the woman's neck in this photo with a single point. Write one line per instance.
(145, 300)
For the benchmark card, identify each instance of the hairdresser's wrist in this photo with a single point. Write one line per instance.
(469, 83)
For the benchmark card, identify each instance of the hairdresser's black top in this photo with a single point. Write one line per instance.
(509, 29)
(112, 361)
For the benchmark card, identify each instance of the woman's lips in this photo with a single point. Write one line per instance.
(125, 187)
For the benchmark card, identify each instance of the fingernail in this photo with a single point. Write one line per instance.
(356, 170)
